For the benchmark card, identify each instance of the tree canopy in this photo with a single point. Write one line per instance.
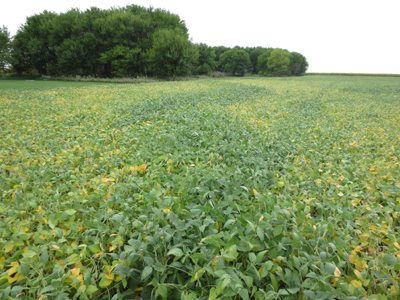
(235, 61)
(172, 54)
(279, 62)
(207, 59)
(130, 41)
(298, 63)
(5, 48)
(97, 42)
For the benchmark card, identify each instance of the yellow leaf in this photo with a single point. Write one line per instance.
(12, 271)
(337, 272)
(364, 236)
(358, 274)
(112, 248)
(8, 248)
(169, 169)
(75, 271)
(318, 181)
(358, 249)
(169, 161)
(109, 275)
(394, 291)
(167, 211)
(261, 269)
(356, 283)
(255, 193)
(55, 247)
(19, 277)
(82, 288)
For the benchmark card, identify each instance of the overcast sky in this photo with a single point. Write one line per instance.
(353, 36)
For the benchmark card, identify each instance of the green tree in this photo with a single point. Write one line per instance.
(5, 48)
(262, 60)
(124, 61)
(279, 62)
(254, 54)
(235, 61)
(172, 54)
(298, 64)
(31, 45)
(206, 62)
(95, 42)
(219, 50)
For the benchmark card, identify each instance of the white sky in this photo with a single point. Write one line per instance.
(354, 36)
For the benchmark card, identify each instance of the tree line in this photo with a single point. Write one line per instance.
(131, 41)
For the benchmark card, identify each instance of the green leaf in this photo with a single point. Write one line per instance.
(91, 289)
(163, 291)
(293, 290)
(268, 265)
(104, 282)
(390, 259)
(283, 292)
(191, 296)
(198, 275)
(122, 271)
(260, 256)
(226, 282)
(248, 280)
(309, 294)
(70, 212)
(244, 294)
(16, 290)
(176, 252)
(252, 258)
(44, 257)
(146, 273)
(278, 230)
(29, 254)
(274, 281)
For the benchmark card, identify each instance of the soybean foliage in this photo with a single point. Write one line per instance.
(284, 188)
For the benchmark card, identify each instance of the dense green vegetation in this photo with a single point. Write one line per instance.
(260, 188)
(5, 48)
(41, 84)
(131, 41)
(356, 74)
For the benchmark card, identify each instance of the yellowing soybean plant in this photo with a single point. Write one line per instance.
(264, 188)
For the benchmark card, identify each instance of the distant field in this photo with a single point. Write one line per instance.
(41, 84)
(356, 74)
(243, 188)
